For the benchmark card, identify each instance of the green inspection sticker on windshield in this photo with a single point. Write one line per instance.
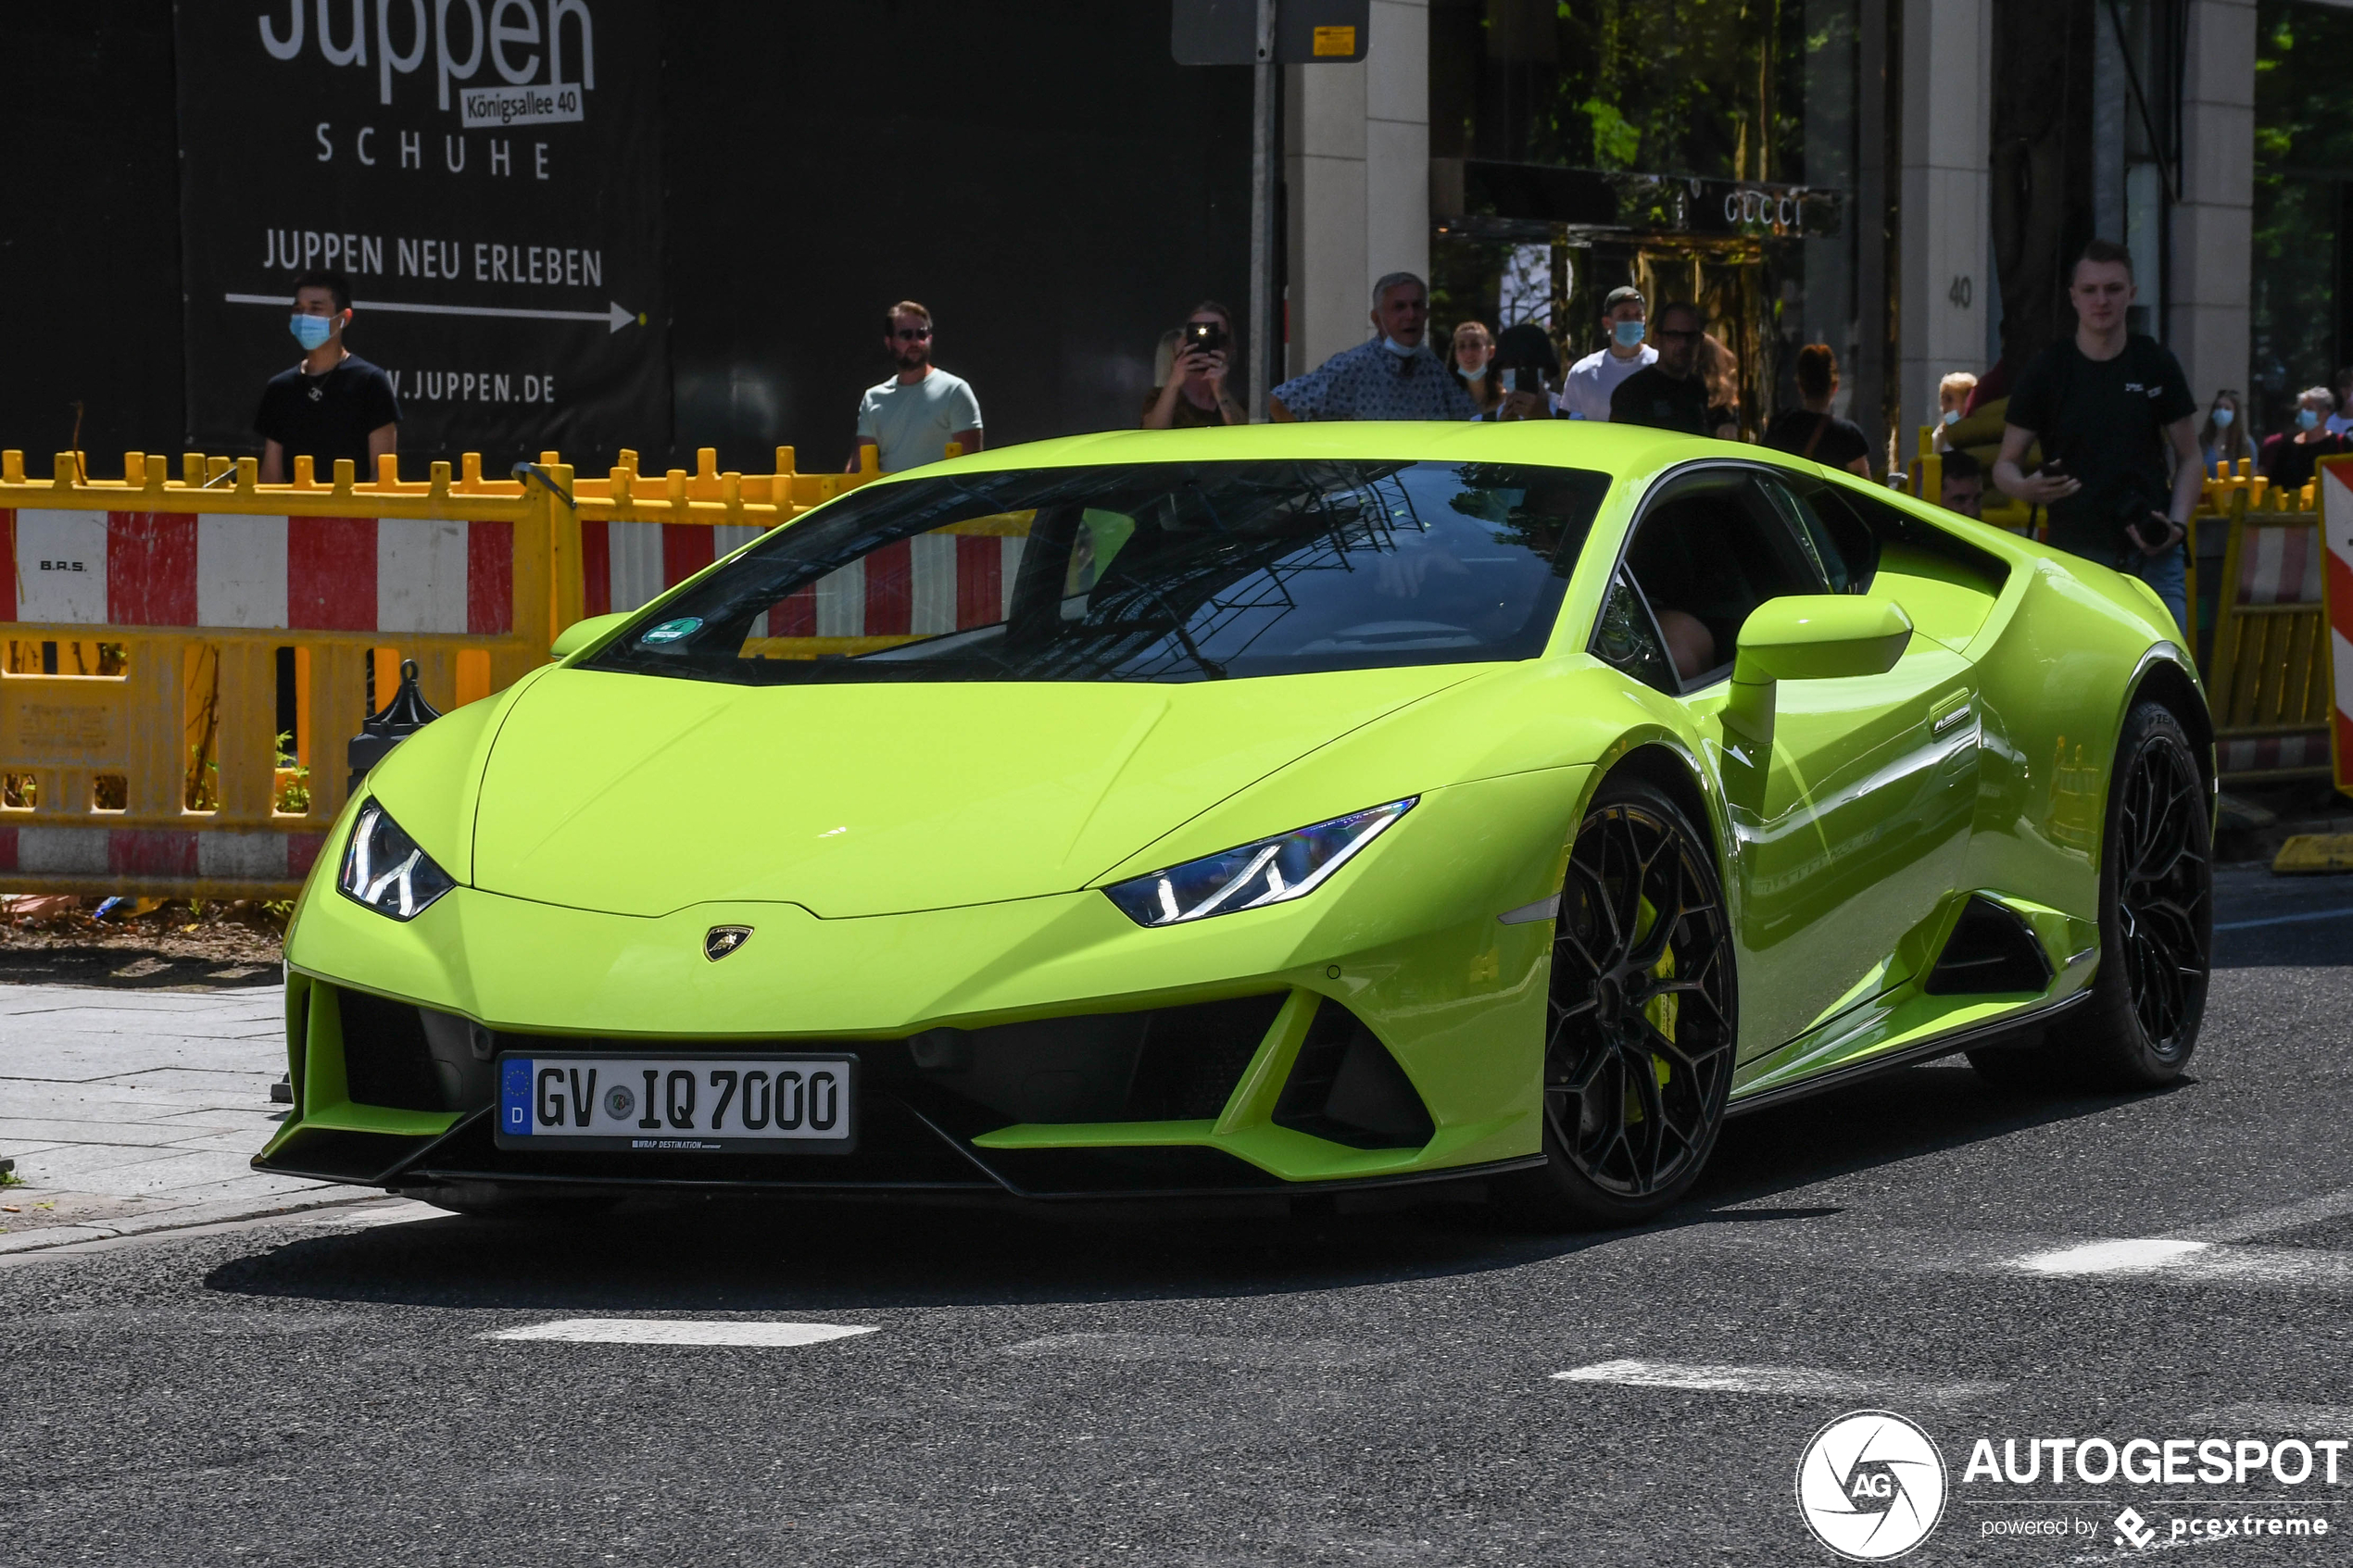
(672, 630)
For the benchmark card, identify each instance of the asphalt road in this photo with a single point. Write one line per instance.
(1376, 1390)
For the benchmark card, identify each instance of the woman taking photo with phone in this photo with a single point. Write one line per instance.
(1193, 393)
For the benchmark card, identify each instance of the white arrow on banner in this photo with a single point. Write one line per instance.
(614, 317)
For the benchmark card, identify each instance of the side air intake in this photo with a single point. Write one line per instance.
(1992, 951)
(1346, 1087)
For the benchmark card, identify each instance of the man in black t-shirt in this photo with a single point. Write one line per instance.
(1671, 395)
(332, 404)
(2107, 405)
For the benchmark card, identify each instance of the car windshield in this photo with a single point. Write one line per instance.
(1166, 572)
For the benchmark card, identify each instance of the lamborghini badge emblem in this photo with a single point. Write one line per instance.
(721, 940)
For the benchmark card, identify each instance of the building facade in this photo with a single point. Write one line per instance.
(1904, 180)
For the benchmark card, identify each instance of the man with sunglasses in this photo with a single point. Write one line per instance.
(1669, 394)
(910, 418)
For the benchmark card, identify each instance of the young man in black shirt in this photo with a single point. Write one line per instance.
(1671, 395)
(2107, 405)
(332, 404)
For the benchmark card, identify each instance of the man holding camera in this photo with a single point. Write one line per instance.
(1195, 395)
(2107, 405)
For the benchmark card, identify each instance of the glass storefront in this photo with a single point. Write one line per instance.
(2303, 249)
(1700, 149)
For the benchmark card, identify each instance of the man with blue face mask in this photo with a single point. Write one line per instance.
(1393, 377)
(332, 404)
(1586, 394)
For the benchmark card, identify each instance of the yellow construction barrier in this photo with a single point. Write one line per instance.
(2269, 681)
(187, 657)
(183, 657)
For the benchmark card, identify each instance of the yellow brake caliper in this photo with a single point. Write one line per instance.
(1660, 1010)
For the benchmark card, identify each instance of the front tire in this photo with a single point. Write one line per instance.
(1642, 1021)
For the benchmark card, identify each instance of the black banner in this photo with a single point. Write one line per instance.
(485, 172)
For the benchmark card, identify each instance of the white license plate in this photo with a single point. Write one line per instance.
(668, 1104)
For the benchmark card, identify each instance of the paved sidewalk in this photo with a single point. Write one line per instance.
(128, 1111)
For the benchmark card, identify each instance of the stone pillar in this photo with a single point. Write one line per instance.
(2210, 262)
(1357, 182)
(1946, 182)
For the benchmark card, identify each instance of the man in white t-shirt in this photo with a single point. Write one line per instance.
(1586, 392)
(912, 418)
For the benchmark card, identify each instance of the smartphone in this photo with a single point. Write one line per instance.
(1207, 336)
(1511, 380)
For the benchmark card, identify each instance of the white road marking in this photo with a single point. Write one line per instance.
(1201, 1348)
(2110, 1257)
(678, 1331)
(2195, 1262)
(366, 1216)
(1798, 1381)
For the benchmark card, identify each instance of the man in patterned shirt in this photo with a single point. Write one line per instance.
(1393, 377)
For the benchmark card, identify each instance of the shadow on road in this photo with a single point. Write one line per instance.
(1920, 1110)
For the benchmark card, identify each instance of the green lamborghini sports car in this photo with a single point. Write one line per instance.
(1259, 813)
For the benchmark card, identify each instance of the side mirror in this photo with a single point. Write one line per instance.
(1810, 637)
(580, 634)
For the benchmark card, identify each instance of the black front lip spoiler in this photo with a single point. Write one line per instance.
(416, 1169)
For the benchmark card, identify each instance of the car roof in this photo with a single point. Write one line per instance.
(1610, 448)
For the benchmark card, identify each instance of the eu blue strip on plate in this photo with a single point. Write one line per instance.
(514, 1096)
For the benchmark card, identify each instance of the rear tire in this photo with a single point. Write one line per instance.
(2156, 925)
(1641, 1022)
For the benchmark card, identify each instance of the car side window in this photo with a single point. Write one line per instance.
(1626, 637)
(1709, 549)
(1843, 548)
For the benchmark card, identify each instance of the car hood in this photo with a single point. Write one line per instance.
(640, 794)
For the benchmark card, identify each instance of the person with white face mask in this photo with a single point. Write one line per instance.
(1474, 358)
(332, 404)
(2223, 442)
(1585, 391)
(1393, 377)
(2289, 456)
(1952, 402)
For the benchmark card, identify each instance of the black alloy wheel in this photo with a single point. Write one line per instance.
(2157, 924)
(2164, 886)
(1642, 1021)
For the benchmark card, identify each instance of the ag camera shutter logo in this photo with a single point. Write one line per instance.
(1870, 1486)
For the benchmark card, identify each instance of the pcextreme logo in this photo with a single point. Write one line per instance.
(1870, 1486)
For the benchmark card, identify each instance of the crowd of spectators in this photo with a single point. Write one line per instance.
(2107, 412)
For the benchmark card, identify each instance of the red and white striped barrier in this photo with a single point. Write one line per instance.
(87, 568)
(931, 583)
(160, 854)
(2279, 563)
(2336, 525)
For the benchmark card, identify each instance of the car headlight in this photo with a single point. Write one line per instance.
(384, 869)
(1272, 870)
